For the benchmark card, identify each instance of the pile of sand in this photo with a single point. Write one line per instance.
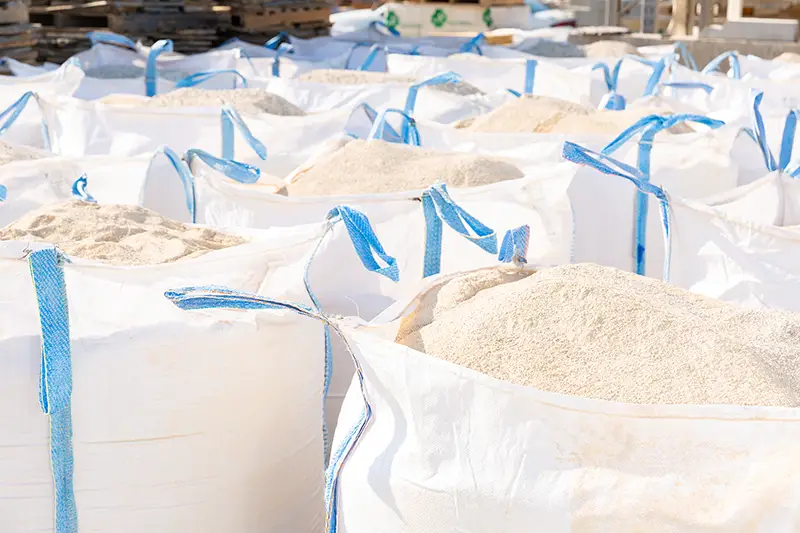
(366, 167)
(117, 234)
(599, 332)
(358, 77)
(542, 114)
(528, 114)
(605, 49)
(11, 152)
(244, 100)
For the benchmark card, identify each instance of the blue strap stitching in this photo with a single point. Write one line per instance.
(55, 392)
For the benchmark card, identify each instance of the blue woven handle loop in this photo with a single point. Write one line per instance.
(104, 37)
(235, 170)
(473, 44)
(232, 121)
(389, 134)
(602, 67)
(276, 63)
(10, 115)
(761, 133)
(733, 59)
(651, 126)
(514, 248)
(200, 77)
(382, 28)
(438, 207)
(530, 75)
(369, 250)
(184, 174)
(684, 53)
(371, 56)
(787, 141)
(191, 298)
(151, 71)
(411, 99)
(365, 242)
(55, 379)
(79, 190)
(379, 127)
(612, 167)
(275, 42)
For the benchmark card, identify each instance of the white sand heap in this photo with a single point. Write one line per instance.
(599, 332)
(358, 77)
(245, 100)
(15, 152)
(542, 114)
(603, 49)
(366, 167)
(130, 71)
(788, 57)
(117, 234)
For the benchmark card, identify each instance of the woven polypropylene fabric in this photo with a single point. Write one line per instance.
(55, 381)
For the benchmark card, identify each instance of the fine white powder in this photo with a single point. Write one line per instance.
(788, 57)
(366, 167)
(117, 234)
(130, 71)
(11, 152)
(358, 77)
(244, 100)
(603, 49)
(529, 114)
(599, 332)
(542, 114)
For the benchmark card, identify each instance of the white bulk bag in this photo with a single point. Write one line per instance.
(186, 418)
(606, 208)
(147, 180)
(63, 81)
(230, 440)
(431, 104)
(77, 128)
(24, 70)
(538, 200)
(741, 247)
(491, 75)
(443, 448)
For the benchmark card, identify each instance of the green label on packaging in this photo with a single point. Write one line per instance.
(438, 18)
(392, 20)
(487, 17)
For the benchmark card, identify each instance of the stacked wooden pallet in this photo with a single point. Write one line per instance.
(18, 36)
(258, 20)
(191, 24)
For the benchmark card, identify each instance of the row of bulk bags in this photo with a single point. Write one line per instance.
(497, 75)
(576, 479)
(175, 443)
(537, 201)
(76, 127)
(178, 385)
